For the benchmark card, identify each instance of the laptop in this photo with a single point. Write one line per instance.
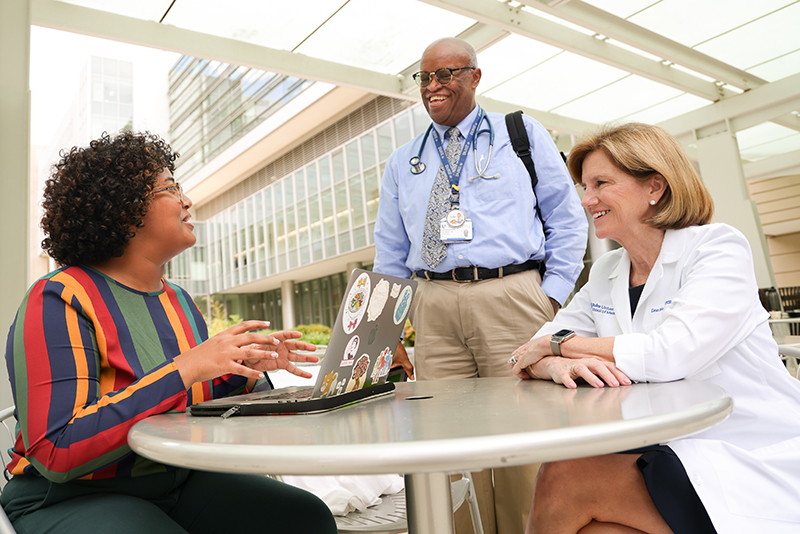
(356, 363)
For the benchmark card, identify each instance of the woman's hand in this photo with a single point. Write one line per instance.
(529, 354)
(566, 371)
(225, 353)
(284, 344)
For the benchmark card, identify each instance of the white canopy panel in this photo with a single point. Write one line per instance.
(591, 61)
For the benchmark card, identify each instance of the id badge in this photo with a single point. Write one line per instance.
(450, 234)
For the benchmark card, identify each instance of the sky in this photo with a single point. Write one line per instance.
(57, 59)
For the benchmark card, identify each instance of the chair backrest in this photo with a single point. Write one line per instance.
(7, 438)
(791, 357)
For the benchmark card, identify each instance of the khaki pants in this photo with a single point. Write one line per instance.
(467, 330)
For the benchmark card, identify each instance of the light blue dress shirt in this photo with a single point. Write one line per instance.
(506, 229)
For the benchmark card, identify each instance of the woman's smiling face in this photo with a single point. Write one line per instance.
(616, 201)
(167, 227)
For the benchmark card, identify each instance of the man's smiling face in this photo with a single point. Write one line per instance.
(449, 104)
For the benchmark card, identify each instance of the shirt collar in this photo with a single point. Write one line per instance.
(462, 126)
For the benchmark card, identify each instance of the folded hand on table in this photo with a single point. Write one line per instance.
(566, 371)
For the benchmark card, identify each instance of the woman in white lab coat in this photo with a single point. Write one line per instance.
(679, 300)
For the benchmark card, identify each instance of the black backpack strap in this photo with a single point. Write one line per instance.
(521, 144)
(522, 147)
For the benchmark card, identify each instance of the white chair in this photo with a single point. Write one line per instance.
(790, 354)
(390, 515)
(6, 442)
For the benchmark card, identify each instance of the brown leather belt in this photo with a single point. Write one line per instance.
(475, 274)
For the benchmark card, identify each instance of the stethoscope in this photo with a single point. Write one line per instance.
(417, 166)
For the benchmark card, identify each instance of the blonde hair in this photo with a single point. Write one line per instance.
(641, 151)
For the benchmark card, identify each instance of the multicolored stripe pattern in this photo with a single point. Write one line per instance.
(88, 358)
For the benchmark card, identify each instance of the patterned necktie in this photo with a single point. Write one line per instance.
(433, 250)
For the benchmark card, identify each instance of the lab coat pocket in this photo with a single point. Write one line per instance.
(760, 483)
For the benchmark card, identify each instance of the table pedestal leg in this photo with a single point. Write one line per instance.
(429, 504)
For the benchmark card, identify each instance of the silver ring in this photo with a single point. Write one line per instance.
(572, 371)
(513, 360)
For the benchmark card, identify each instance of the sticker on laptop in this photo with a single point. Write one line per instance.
(382, 365)
(395, 290)
(402, 305)
(359, 374)
(350, 352)
(356, 303)
(340, 386)
(328, 384)
(378, 301)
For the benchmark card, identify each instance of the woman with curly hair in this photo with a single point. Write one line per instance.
(105, 341)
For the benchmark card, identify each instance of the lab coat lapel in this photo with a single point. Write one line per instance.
(620, 298)
(671, 248)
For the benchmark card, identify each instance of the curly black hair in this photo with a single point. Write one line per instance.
(98, 194)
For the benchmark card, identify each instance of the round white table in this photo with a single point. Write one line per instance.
(429, 429)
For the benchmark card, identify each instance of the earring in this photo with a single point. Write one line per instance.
(652, 202)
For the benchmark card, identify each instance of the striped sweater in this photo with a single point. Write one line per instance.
(88, 358)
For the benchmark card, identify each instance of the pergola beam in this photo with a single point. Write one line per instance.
(784, 164)
(516, 20)
(604, 23)
(106, 25)
(551, 121)
(777, 99)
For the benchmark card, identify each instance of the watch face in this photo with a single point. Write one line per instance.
(562, 333)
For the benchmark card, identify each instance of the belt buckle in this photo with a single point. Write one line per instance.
(468, 280)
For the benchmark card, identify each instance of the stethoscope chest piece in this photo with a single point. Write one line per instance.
(417, 166)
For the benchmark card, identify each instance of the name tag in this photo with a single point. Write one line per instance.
(450, 234)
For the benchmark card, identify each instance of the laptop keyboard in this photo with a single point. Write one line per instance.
(300, 392)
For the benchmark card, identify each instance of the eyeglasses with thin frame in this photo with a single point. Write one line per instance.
(443, 76)
(176, 187)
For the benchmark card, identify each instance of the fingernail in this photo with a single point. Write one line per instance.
(260, 375)
(598, 384)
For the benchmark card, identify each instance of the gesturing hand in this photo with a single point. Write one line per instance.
(284, 344)
(225, 353)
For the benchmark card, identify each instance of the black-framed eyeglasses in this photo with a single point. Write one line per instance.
(175, 189)
(443, 76)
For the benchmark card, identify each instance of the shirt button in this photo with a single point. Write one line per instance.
(460, 256)
(696, 479)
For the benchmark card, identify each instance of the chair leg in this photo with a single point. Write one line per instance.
(474, 511)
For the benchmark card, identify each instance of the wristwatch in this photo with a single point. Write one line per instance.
(558, 338)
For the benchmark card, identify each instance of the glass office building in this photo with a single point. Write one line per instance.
(316, 203)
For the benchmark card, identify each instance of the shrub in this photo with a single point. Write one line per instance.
(409, 334)
(318, 334)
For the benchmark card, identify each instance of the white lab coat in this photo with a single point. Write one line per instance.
(699, 317)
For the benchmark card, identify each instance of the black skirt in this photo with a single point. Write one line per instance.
(671, 490)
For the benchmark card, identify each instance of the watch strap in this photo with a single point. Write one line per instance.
(555, 345)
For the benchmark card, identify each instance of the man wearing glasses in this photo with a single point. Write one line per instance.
(457, 209)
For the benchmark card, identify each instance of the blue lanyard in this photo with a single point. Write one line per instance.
(453, 174)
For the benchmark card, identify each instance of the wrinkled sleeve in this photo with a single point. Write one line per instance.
(391, 240)
(565, 223)
(69, 428)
